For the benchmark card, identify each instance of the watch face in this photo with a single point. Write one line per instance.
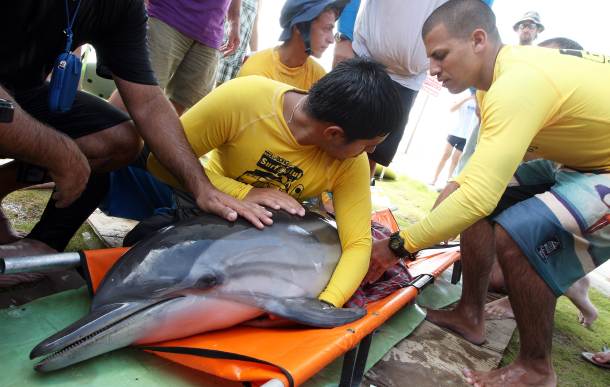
(394, 243)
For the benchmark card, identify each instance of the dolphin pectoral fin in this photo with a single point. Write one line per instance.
(312, 312)
(97, 320)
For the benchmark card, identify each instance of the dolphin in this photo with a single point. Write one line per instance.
(204, 274)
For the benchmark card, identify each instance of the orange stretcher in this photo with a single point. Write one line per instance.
(288, 355)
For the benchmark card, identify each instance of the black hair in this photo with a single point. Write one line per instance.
(461, 17)
(565, 43)
(359, 96)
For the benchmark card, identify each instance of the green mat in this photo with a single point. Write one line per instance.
(25, 326)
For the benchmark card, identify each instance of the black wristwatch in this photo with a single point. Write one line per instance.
(339, 36)
(7, 109)
(397, 245)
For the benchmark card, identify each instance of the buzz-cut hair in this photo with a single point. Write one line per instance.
(462, 17)
(564, 43)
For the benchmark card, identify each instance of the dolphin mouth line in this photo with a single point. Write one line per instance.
(78, 343)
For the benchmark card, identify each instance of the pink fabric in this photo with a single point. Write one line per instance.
(394, 278)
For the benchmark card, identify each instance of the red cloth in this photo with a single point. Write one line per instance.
(394, 278)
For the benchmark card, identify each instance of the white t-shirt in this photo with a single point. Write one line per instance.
(389, 31)
(466, 119)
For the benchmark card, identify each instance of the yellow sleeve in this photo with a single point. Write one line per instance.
(207, 125)
(514, 109)
(230, 186)
(352, 202)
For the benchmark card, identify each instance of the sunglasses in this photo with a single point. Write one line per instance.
(531, 26)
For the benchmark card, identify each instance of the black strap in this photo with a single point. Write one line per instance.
(70, 22)
(215, 354)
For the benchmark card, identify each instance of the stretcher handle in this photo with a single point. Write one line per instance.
(40, 263)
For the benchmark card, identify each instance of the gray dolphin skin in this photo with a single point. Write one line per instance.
(205, 274)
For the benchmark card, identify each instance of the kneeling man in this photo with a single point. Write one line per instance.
(547, 221)
(275, 145)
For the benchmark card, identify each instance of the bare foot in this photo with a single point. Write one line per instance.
(578, 293)
(515, 374)
(602, 357)
(24, 247)
(499, 309)
(459, 323)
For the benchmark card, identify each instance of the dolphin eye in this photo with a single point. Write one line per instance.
(208, 280)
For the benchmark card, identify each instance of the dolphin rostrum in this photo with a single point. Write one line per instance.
(204, 274)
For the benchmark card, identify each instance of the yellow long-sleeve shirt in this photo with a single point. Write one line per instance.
(242, 125)
(554, 104)
(267, 63)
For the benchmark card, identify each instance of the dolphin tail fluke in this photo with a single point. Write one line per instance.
(97, 320)
(306, 311)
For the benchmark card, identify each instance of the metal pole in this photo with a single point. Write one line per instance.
(419, 116)
(39, 263)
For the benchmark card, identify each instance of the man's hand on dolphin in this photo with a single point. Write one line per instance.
(227, 207)
(277, 200)
(382, 258)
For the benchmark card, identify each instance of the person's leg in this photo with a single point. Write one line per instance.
(57, 225)
(478, 256)
(455, 157)
(563, 235)
(384, 152)
(106, 136)
(578, 293)
(478, 251)
(441, 163)
(534, 307)
(496, 279)
(194, 77)
(167, 48)
(9, 182)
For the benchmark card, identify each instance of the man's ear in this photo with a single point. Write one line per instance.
(295, 31)
(333, 133)
(479, 40)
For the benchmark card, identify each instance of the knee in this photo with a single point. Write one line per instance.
(506, 248)
(127, 144)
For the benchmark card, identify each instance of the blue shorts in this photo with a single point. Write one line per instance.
(560, 219)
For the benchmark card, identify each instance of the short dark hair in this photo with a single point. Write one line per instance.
(461, 17)
(564, 43)
(359, 96)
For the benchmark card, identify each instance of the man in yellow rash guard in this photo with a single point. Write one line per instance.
(548, 223)
(307, 31)
(267, 140)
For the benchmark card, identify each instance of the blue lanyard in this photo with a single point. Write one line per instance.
(68, 30)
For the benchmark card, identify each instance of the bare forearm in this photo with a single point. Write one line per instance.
(162, 131)
(29, 140)
(233, 12)
(254, 35)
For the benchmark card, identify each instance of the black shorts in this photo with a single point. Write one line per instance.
(384, 152)
(89, 114)
(456, 142)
